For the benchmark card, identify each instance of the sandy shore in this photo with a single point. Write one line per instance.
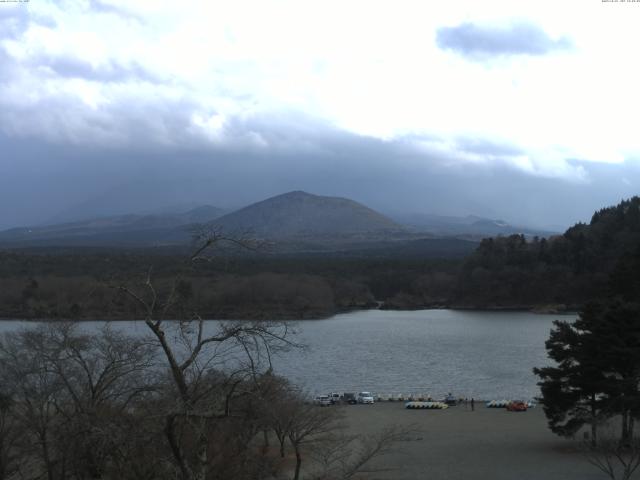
(460, 444)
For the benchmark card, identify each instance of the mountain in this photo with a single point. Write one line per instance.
(294, 222)
(297, 215)
(114, 230)
(469, 227)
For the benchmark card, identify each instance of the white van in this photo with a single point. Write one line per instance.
(365, 397)
(322, 400)
(335, 398)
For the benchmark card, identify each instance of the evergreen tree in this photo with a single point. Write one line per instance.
(573, 391)
(598, 369)
(617, 327)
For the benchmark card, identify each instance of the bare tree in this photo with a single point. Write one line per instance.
(10, 437)
(279, 418)
(343, 457)
(70, 392)
(615, 458)
(187, 401)
(308, 423)
(196, 353)
(102, 375)
(36, 392)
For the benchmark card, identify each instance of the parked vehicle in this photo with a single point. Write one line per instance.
(450, 400)
(349, 398)
(335, 398)
(365, 397)
(322, 400)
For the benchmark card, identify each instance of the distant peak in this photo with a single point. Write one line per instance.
(296, 193)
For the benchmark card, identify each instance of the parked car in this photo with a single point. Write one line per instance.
(365, 397)
(335, 398)
(349, 398)
(517, 406)
(322, 400)
(450, 400)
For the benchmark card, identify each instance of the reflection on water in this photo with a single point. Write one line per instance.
(472, 354)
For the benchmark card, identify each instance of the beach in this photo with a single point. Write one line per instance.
(458, 443)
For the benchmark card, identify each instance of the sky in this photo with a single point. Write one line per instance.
(523, 111)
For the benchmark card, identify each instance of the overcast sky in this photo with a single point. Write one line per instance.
(525, 111)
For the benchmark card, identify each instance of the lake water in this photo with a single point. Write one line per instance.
(484, 355)
(472, 354)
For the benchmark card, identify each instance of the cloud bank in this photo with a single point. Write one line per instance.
(96, 95)
(479, 41)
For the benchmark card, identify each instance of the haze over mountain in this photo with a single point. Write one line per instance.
(470, 226)
(294, 221)
(118, 230)
(300, 214)
(291, 216)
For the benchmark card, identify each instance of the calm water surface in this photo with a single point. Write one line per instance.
(474, 354)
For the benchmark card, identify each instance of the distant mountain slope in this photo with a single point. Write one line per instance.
(114, 230)
(471, 226)
(300, 214)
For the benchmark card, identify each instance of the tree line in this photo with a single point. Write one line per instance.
(595, 382)
(62, 286)
(503, 272)
(569, 269)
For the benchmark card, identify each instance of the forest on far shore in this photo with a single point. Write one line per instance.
(561, 272)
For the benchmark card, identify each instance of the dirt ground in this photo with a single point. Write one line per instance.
(458, 443)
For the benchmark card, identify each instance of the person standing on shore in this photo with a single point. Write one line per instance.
(473, 404)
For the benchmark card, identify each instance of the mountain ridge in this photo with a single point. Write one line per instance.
(107, 227)
(292, 221)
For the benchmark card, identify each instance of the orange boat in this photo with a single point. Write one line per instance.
(517, 406)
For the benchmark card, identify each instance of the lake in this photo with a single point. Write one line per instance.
(485, 355)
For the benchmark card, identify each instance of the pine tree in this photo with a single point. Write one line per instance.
(598, 369)
(573, 391)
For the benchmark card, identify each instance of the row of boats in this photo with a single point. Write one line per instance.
(511, 405)
(426, 405)
(418, 401)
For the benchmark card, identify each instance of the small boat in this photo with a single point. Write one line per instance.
(425, 405)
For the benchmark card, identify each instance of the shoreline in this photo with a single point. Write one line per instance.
(539, 310)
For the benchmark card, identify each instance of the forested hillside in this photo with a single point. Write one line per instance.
(561, 272)
(567, 269)
(80, 284)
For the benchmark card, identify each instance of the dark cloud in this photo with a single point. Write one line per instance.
(7, 66)
(74, 67)
(480, 146)
(101, 6)
(478, 41)
(14, 20)
(133, 121)
(16, 17)
(42, 182)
